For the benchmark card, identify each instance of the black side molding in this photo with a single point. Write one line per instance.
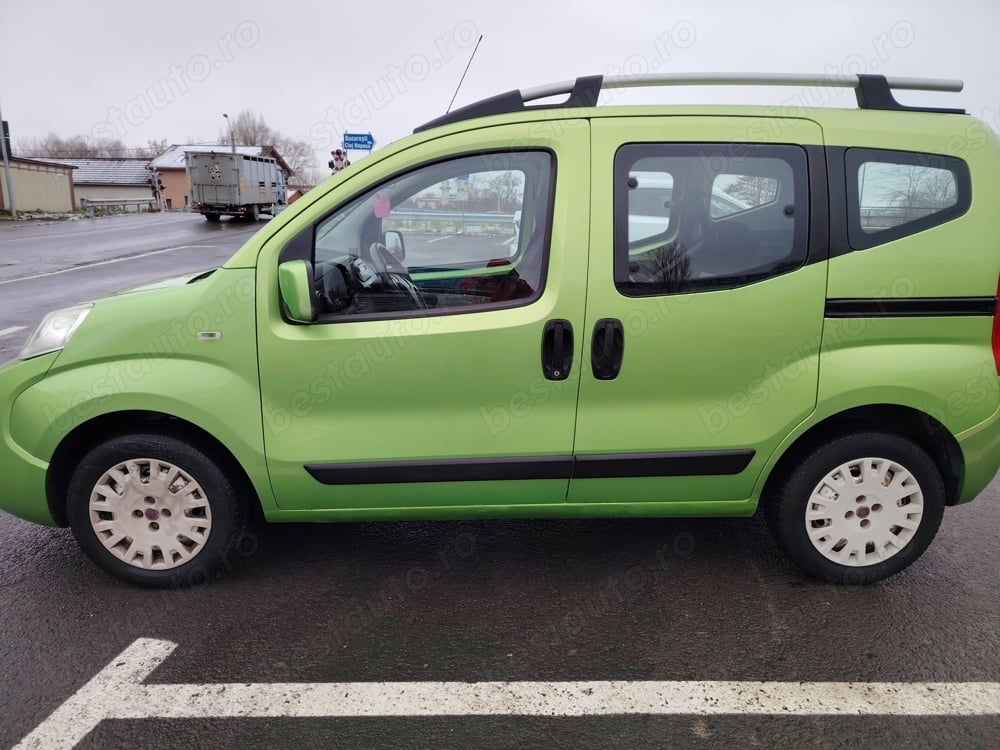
(678, 464)
(911, 307)
(449, 470)
(618, 465)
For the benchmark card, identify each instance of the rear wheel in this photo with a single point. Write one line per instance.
(858, 509)
(253, 213)
(212, 217)
(154, 511)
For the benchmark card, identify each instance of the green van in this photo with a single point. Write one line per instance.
(555, 310)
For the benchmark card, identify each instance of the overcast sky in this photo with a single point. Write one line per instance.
(314, 68)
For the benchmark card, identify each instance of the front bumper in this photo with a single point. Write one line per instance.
(22, 487)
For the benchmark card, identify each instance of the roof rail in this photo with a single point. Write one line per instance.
(872, 91)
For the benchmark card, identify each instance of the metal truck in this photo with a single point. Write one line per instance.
(224, 183)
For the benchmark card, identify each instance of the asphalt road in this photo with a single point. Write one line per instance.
(45, 266)
(459, 602)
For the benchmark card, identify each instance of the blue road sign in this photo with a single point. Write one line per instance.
(359, 141)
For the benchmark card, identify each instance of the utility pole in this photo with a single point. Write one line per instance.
(232, 138)
(6, 169)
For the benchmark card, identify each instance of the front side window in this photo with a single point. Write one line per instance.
(688, 218)
(460, 235)
(892, 194)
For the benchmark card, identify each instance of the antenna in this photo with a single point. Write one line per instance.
(462, 79)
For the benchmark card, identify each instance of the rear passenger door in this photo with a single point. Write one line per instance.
(704, 305)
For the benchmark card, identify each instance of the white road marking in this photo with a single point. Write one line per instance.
(438, 239)
(99, 263)
(118, 692)
(9, 331)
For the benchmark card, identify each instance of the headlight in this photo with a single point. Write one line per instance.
(55, 331)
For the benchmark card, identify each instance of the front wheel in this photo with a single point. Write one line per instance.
(858, 509)
(154, 511)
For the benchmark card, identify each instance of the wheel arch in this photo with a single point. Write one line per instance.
(84, 437)
(923, 429)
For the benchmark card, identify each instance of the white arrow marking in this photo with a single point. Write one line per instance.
(117, 692)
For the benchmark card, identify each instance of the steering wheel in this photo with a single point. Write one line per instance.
(333, 292)
(395, 275)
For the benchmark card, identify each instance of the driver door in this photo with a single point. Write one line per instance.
(443, 399)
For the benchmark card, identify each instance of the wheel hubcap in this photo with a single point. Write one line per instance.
(864, 511)
(150, 514)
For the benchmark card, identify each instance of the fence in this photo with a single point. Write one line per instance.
(90, 204)
(436, 221)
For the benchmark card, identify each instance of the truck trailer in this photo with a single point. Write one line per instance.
(224, 183)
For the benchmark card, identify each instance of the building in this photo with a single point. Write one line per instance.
(294, 192)
(109, 179)
(38, 186)
(171, 168)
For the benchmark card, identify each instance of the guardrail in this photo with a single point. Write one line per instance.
(885, 217)
(483, 217)
(91, 203)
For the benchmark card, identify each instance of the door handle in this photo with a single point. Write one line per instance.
(557, 349)
(607, 348)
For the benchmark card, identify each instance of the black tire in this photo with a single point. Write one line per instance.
(213, 504)
(253, 213)
(786, 509)
(212, 217)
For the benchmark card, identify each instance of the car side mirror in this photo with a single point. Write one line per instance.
(295, 285)
(393, 240)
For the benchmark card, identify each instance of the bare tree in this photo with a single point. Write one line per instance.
(891, 194)
(754, 191)
(506, 188)
(668, 268)
(298, 155)
(152, 149)
(250, 129)
(920, 187)
(74, 147)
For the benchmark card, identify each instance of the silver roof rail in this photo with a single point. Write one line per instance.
(872, 91)
(745, 79)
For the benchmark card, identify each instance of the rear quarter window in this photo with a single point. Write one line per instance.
(894, 194)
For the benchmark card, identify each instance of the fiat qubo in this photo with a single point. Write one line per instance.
(538, 309)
